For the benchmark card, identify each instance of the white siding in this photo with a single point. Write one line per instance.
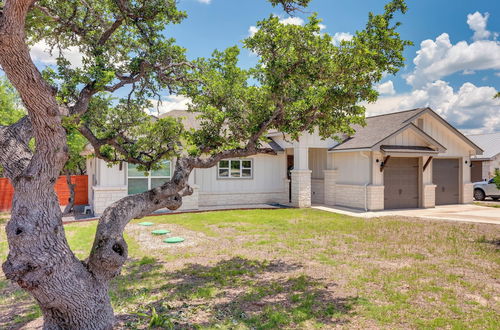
(269, 175)
(406, 138)
(353, 167)
(111, 176)
(455, 146)
(317, 162)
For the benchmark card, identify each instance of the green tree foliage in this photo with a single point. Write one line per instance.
(303, 81)
(10, 106)
(496, 178)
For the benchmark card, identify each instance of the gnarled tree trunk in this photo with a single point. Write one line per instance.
(72, 294)
(71, 201)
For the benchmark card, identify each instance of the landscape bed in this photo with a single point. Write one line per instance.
(296, 269)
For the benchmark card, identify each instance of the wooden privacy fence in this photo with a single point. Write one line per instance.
(62, 190)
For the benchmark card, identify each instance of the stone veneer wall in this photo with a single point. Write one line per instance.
(350, 195)
(105, 196)
(301, 188)
(429, 198)
(468, 193)
(375, 198)
(222, 199)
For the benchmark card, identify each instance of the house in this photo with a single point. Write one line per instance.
(409, 159)
(484, 166)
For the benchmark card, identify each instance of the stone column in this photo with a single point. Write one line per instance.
(429, 197)
(330, 186)
(301, 178)
(468, 193)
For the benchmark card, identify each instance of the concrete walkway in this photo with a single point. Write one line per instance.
(460, 212)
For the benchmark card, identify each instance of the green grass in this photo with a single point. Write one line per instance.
(495, 205)
(289, 268)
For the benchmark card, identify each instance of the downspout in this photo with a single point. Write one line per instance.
(366, 184)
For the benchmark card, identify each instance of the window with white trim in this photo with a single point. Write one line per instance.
(235, 169)
(138, 182)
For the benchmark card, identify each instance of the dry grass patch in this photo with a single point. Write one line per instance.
(266, 269)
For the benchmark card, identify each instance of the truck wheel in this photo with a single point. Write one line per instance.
(479, 195)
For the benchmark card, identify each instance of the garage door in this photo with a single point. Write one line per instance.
(445, 174)
(401, 183)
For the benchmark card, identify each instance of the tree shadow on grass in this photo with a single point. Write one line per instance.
(238, 292)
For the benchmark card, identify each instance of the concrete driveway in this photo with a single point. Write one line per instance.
(460, 212)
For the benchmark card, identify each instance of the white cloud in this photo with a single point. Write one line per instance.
(340, 36)
(40, 52)
(172, 102)
(205, 1)
(386, 88)
(440, 58)
(477, 23)
(252, 30)
(470, 108)
(292, 21)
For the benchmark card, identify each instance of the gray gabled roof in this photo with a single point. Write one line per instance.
(377, 129)
(490, 143)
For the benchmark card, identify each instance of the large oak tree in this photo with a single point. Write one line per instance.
(303, 81)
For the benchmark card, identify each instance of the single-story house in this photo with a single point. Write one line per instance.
(484, 166)
(409, 159)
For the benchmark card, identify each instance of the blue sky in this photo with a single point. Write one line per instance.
(223, 23)
(453, 67)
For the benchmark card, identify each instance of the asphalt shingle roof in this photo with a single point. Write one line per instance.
(490, 143)
(377, 129)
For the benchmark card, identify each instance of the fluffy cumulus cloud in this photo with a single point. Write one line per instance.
(469, 108)
(172, 102)
(294, 20)
(477, 23)
(40, 52)
(386, 88)
(439, 58)
(339, 36)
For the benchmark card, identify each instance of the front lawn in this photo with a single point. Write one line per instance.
(292, 268)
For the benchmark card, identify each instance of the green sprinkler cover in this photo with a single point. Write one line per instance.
(146, 224)
(174, 240)
(160, 232)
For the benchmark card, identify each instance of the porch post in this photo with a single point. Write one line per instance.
(301, 178)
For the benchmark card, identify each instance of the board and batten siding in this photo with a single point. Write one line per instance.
(455, 146)
(269, 175)
(353, 168)
(406, 138)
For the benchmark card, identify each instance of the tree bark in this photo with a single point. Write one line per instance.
(72, 294)
(71, 201)
(39, 259)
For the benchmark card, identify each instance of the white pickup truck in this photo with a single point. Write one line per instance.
(485, 189)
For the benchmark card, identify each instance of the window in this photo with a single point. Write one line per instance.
(235, 169)
(138, 182)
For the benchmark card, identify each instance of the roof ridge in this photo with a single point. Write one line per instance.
(396, 112)
(483, 134)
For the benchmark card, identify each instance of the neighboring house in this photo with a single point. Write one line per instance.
(408, 159)
(484, 166)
